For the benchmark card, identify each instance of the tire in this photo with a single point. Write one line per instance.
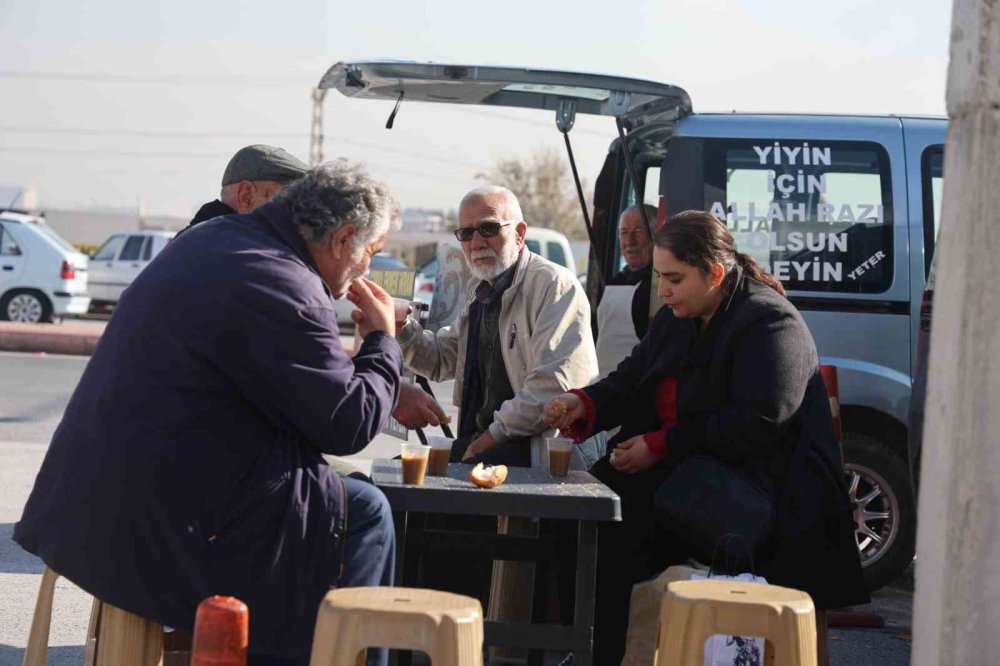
(886, 524)
(25, 305)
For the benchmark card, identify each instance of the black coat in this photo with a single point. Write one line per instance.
(188, 462)
(750, 393)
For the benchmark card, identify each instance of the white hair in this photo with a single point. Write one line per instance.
(339, 193)
(511, 206)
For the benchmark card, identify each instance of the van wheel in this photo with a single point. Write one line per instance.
(885, 521)
(25, 305)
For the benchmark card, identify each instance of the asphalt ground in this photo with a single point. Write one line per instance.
(34, 390)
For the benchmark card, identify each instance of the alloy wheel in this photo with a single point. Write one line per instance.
(876, 512)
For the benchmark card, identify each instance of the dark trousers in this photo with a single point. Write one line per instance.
(628, 552)
(514, 453)
(369, 556)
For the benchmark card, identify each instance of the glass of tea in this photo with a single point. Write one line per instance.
(560, 452)
(414, 463)
(440, 453)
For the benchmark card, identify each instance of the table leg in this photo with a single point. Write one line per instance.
(399, 522)
(586, 587)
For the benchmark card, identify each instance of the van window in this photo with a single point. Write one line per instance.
(556, 254)
(533, 246)
(109, 250)
(651, 197)
(132, 249)
(932, 176)
(147, 249)
(8, 246)
(816, 214)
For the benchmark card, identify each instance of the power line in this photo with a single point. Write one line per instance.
(213, 156)
(84, 131)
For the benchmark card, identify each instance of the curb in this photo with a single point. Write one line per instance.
(46, 338)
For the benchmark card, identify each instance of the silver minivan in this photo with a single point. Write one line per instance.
(843, 209)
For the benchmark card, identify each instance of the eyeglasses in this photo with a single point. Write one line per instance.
(486, 229)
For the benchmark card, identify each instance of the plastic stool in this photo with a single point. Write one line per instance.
(447, 627)
(693, 610)
(124, 639)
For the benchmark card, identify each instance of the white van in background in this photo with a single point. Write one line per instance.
(120, 259)
(42, 277)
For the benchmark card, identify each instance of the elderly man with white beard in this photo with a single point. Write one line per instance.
(523, 338)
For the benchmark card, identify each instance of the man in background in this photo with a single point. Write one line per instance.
(252, 178)
(623, 314)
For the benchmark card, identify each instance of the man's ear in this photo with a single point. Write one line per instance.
(521, 229)
(244, 196)
(341, 241)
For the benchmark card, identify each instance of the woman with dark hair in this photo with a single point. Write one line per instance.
(727, 372)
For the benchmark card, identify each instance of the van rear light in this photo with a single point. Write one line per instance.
(68, 271)
(427, 286)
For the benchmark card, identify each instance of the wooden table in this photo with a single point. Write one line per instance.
(527, 493)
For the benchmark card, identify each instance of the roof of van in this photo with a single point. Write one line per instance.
(785, 114)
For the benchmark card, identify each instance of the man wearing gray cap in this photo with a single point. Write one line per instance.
(252, 177)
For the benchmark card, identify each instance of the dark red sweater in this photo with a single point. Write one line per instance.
(666, 410)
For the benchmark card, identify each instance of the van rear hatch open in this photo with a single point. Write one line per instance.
(635, 101)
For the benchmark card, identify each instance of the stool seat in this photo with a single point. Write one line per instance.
(694, 610)
(447, 627)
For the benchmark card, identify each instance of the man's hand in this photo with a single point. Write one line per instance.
(483, 443)
(376, 311)
(417, 409)
(564, 410)
(633, 455)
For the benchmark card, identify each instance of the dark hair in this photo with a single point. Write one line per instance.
(701, 240)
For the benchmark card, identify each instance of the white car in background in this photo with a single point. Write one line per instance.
(42, 277)
(120, 259)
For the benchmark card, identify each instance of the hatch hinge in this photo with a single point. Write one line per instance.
(566, 115)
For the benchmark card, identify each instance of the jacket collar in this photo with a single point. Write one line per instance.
(278, 219)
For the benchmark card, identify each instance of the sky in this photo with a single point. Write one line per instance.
(113, 103)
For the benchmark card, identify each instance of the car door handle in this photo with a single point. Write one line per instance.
(110, 265)
(8, 268)
(135, 265)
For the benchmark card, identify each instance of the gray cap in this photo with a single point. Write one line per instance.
(260, 162)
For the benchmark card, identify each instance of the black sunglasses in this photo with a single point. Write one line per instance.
(486, 229)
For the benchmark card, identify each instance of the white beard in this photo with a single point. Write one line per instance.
(506, 259)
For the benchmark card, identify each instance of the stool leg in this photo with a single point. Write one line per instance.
(128, 640)
(90, 644)
(796, 643)
(336, 640)
(38, 639)
(678, 643)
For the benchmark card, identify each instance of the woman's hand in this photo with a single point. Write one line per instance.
(563, 410)
(633, 455)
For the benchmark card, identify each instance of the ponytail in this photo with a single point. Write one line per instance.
(754, 271)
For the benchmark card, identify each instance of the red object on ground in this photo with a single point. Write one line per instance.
(220, 633)
(829, 373)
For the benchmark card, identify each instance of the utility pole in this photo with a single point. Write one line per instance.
(957, 603)
(316, 128)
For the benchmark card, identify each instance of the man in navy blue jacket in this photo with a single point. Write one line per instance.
(189, 460)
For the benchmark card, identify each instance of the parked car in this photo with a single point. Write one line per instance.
(382, 260)
(837, 207)
(42, 277)
(119, 260)
(548, 243)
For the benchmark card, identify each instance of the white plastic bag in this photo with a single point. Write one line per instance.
(721, 650)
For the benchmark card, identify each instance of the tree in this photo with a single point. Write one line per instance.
(544, 186)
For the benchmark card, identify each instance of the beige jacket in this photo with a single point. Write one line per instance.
(546, 343)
